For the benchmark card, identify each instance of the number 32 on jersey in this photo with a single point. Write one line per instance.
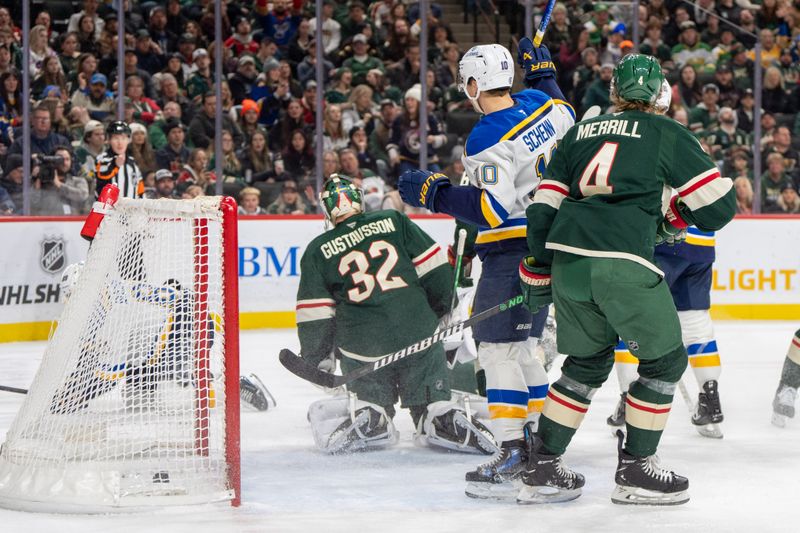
(356, 264)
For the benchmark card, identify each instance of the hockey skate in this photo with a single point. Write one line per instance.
(254, 394)
(500, 478)
(617, 418)
(641, 481)
(708, 413)
(546, 479)
(783, 405)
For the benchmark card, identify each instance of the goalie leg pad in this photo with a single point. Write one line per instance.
(345, 424)
(448, 425)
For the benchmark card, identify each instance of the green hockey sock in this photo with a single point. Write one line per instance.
(566, 405)
(646, 411)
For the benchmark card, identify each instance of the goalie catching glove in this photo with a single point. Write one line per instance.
(672, 229)
(535, 284)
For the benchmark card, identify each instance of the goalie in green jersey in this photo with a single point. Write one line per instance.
(603, 205)
(371, 285)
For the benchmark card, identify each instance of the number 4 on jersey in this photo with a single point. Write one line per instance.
(594, 179)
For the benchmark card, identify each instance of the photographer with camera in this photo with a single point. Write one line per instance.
(45, 198)
(59, 192)
(55, 190)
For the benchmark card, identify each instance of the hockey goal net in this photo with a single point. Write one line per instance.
(136, 401)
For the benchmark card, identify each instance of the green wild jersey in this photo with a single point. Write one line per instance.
(604, 192)
(372, 285)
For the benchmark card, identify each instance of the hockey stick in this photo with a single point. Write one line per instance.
(302, 368)
(462, 240)
(13, 389)
(548, 10)
(685, 394)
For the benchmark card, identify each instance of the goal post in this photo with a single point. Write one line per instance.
(136, 401)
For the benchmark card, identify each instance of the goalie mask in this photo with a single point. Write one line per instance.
(339, 197)
(490, 65)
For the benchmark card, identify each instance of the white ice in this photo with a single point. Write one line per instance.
(749, 481)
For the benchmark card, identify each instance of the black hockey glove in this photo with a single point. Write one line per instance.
(535, 284)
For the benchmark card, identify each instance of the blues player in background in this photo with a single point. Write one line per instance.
(505, 157)
(687, 269)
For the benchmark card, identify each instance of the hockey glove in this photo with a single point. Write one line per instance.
(418, 188)
(535, 62)
(535, 284)
(672, 229)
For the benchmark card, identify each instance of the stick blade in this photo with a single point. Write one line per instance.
(300, 368)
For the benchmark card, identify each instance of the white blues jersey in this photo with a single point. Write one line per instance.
(505, 156)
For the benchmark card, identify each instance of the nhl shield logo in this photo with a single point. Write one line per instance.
(53, 255)
(633, 346)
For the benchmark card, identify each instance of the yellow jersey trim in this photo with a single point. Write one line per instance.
(487, 211)
(527, 120)
(501, 235)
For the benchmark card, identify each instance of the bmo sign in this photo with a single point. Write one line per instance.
(269, 261)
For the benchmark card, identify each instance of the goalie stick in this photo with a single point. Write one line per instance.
(302, 368)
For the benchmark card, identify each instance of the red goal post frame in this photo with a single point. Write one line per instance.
(230, 241)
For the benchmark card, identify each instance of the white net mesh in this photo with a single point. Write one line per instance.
(128, 405)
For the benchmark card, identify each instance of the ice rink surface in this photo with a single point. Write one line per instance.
(749, 481)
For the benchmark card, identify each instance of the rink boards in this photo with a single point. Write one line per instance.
(756, 275)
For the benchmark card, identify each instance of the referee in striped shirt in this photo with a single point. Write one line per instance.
(115, 166)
